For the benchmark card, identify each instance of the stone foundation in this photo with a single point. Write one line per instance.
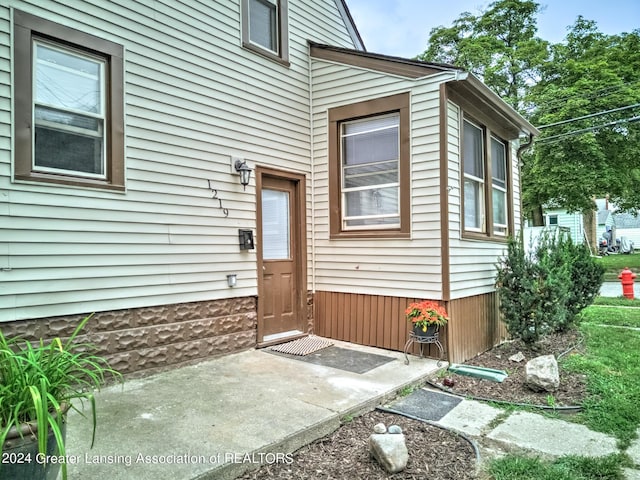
(145, 340)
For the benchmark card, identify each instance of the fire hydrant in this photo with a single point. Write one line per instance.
(626, 278)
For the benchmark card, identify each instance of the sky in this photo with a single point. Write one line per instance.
(401, 27)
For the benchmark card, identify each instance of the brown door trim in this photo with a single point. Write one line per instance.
(298, 224)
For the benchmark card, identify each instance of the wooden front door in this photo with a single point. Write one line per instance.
(281, 278)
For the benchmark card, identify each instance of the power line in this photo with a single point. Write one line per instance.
(589, 129)
(587, 95)
(588, 116)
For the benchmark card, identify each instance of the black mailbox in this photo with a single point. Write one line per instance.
(246, 239)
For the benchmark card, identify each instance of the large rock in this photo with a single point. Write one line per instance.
(542, 374)
(389, 450)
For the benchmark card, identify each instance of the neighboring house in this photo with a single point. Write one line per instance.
(572, 221)
(375, 180)
(627, 225)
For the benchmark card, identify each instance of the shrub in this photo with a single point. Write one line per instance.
(532, 288)
(587, 276)
(542, 291)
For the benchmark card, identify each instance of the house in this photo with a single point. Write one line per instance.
(573, 222)
(374, 180)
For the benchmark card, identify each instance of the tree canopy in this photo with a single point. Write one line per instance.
(583, 94)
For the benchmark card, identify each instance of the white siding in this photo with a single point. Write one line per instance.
(394, 267)
(572, 221)
(472, 262)
(193, 98)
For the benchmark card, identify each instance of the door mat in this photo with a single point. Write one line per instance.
(343, 359)
(302, 346)
(426, 404)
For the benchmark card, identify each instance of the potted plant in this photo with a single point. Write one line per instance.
(426, 317)
(38, 384)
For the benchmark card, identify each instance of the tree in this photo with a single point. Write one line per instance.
(551, 85)
(574, 161)
(499, 47)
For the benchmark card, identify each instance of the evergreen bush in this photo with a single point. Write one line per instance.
(543, 290)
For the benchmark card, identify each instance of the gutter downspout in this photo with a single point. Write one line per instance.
(521, 150)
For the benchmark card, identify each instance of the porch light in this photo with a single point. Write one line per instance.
(245, 172)
(232, 280)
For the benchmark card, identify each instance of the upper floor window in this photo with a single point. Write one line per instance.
(265, 29)
(369, 168)
(486, 182)
(68, 105)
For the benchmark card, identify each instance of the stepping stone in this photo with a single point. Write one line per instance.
(552, 436)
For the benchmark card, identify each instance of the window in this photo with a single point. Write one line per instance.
(370, 172)
(486, 182)
(264, 28)
(369, 168)
(552, 220)
(473, 177)
(68, 85)
(499, 186)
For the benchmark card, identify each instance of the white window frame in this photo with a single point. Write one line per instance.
(101, 117)
(480, 182)
(345, 190)
(500, 229)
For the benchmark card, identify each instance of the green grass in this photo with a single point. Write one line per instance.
(612, 366)
(512, 467)
(611, 315)
(618, 262)
(614, 264)
(617, 301)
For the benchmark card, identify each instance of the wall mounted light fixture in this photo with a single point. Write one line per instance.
(245, 172)
(232, 280)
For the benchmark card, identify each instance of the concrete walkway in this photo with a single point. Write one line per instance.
(215, 419)
(219, 418)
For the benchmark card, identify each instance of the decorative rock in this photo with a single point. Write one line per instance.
(542, 373)
(395, 429)
(390, 451)
(518, 357)
(380, 428)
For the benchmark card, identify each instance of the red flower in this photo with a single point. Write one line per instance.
(426, 312)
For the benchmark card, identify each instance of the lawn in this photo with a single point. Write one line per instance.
(609, 315)
(614, 264)
(619, 261)
(611, 363)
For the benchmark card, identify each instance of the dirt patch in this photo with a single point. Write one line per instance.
(572, 389)
(433, 453)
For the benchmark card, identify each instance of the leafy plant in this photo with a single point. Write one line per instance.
(38, 384)
(425, 313)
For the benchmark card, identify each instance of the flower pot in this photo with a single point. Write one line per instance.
(21, 460)
(432, 331)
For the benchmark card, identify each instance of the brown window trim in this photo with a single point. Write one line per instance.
(27, 27)
(379, 106)
(488, 234)
(283, 33)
